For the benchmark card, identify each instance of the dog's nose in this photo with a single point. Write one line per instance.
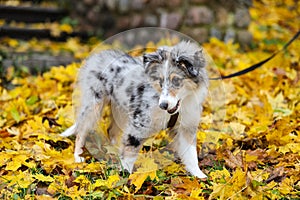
(164, 105)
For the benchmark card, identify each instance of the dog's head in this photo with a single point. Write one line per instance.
(175, 73)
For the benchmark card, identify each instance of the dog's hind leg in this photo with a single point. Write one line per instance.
(115, 132)
(86, 122)
(185, 146)
(130, 147)
(91, 105)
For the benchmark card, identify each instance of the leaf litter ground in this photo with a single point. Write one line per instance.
(255, 156)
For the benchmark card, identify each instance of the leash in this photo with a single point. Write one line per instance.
(174, 117)
(257, 65)
(173, 120)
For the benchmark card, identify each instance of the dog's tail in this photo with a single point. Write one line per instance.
(70, 131)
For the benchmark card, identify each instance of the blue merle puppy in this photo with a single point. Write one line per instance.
(144, 93)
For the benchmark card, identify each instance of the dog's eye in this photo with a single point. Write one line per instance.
(176, 81)
(183, 64)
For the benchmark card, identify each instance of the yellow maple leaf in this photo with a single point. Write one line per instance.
(75, 192)
(286, 186)
(54, 29)
(230, 187)
(21, 179)
(58, 184)
(4, 157)
(16, 162)
(237, 129)
(110, 182)
(43, 178)
(13, 43)
(195, 193)
(213, 137)
(138, 179)
(250, 158)
(290, 147)
(147, 168)
(66, 28)
(94, 167)
(174, 168)
(38, 151)
(82, 179)
(220, 174)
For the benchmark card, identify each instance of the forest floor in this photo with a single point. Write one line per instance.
(255, 155)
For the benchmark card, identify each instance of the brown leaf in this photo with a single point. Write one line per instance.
(208, 160)
(260, 153)
(232, 161)
(4, 133)
(258, 156)
(41, 189)
(70, 183)
(52, 121)
(276, 175)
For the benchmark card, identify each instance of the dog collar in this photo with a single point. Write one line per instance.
(173, 120)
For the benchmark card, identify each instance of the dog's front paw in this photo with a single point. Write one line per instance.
(196, 172)
(201, 175)
(78, 159)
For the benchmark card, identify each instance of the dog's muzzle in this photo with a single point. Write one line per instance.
(165, 105)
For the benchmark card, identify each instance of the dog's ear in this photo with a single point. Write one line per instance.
(150, 57)
(199, 59)
(192, 65)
